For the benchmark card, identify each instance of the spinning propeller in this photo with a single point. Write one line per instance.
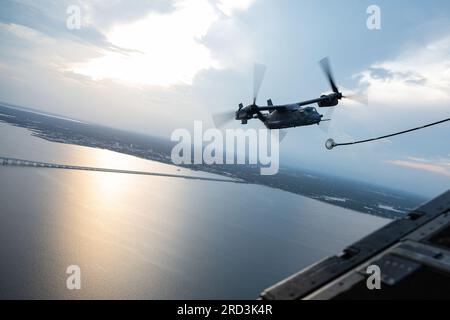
(326, 67)
(222, 118)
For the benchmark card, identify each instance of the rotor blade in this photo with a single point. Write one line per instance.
(258, 76)
(222, 118)
(362, 98)
(324, 125)
(282, 133)
(325, 64)
(329, 113)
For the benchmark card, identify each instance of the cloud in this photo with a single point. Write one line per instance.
(168, 47)
(105, 13)
(227, 7)
(49, 18)
(133, 42)
(439, 166)
(418, 77)
(23, 46)
(39, 56)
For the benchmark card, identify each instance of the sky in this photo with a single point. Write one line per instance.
(155, 66)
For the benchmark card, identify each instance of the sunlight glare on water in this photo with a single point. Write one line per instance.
(152, 237)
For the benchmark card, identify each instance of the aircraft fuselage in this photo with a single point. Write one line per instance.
(289, 119)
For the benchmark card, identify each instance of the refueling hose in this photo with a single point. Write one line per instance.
(330, 143)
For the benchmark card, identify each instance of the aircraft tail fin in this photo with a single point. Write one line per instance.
(270, 104)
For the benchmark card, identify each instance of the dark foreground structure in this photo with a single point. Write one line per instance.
(413, 255)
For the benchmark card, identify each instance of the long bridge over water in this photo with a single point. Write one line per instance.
(6, 161)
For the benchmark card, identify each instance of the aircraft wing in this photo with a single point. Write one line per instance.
(287, 107)
(412, 254)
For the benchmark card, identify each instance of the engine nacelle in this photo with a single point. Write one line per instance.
(244, 114)
(331, 101)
